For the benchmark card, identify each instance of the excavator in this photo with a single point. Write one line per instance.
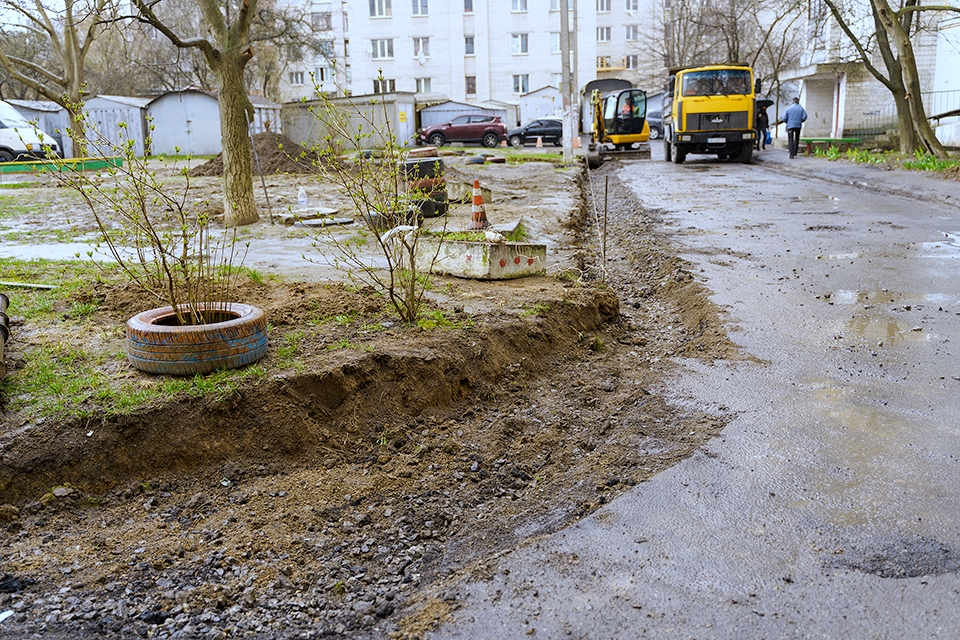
(620, 128)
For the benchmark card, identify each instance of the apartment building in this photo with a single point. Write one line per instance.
(473, 51)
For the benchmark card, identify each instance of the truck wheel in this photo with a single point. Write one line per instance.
(746, 153)
(679, 155)
(666, 150)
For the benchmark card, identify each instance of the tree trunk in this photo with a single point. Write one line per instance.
(911, 81)
(236, 114)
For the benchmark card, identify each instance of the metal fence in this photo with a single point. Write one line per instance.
(883, 121)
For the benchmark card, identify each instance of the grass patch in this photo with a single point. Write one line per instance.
(18, 185)
(14, 206)
(63, 379)
(519, 234)
(435, 319)
(926, 162)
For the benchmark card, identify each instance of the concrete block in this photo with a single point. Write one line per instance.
(481, 260)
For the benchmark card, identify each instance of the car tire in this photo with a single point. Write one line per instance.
(437, 139)
(490, 139)
(6, 156)
(654, 133)
(516, 141)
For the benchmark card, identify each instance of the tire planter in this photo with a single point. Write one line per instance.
(157, 344)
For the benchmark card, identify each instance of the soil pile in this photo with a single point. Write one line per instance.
(275, 152)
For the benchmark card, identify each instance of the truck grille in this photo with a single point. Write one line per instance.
(717, 121)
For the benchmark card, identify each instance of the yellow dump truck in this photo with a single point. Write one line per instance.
(711, 110)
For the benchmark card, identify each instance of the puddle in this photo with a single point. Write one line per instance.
(947, 247)
(885, 296)
(860, 440)
(886, 330)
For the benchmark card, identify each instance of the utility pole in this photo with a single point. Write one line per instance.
(565, 84)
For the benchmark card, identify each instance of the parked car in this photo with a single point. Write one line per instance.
(547, 129)
(474, 127)
(655, 122)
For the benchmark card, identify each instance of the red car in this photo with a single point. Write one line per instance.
(473, 127)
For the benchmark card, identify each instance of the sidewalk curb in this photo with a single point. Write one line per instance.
(935, 191)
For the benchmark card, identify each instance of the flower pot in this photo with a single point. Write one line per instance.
(157, 343)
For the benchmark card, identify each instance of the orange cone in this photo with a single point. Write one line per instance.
(479, 218)
(539, 142)
(576, 142)
(503, 142)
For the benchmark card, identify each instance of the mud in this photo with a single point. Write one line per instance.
(324, 498)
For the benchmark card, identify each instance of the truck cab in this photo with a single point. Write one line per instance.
(710, 110)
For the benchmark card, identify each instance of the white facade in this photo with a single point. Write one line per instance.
(474, 51)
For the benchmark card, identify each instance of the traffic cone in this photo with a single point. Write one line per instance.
(576, 142)
(539, 142)
(479, 218)
(503, 143)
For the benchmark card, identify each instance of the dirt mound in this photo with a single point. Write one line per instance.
(276, 154)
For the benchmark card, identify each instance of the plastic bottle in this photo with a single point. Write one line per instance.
(302, 196)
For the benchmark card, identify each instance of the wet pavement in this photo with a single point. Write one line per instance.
(829, 506)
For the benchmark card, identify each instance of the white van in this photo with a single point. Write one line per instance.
(20, 139)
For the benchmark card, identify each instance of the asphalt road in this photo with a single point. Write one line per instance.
(830, 505)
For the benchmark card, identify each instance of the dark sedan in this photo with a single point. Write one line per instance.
(547, 129)
(655, 121)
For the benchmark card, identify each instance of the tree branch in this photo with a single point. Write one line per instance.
(864, 56)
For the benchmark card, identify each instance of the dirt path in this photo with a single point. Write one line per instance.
(337, 495)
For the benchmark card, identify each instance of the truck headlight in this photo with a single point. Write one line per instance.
(686, 138)
(748, 136)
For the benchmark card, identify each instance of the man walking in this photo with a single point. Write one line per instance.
(794, 117)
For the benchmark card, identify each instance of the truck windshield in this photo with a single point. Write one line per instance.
(717, 82)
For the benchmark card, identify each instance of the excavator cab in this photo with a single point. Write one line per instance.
(625, 118)
(620, 121)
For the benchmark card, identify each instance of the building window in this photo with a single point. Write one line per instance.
(468, 6)
(423, 85)
(468, 45)
(603, 62)
(631, 62)
(518, 5)
(382, 49)
(421, 47)
(321, 21)
(554, 42)
(633, 32)
(603, 6)
(380, 8)
(321, 75)
(382, 85)
(419, 7)
(520, 43)
(521, 83)
(470, 82)
(296, 78)
(603, 34)
(633, 5)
